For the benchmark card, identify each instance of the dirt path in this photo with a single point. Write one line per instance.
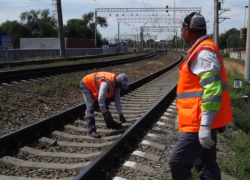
(233, 67)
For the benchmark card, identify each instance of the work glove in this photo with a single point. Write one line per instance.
(176, 126)
(108, 117)
(205, 137)
(122, 118)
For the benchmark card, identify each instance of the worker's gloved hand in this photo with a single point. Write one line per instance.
(176, 126)
(108, 117)
(122, 118)
(205, 137)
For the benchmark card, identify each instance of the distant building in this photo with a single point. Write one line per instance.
(5, 41)
(53, 43)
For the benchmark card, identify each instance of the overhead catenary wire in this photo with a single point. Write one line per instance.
(98, 3)
(12, 7)
(234, 5)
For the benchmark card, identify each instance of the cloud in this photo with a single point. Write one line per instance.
(75, 9)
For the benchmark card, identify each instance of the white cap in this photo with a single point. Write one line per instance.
(123, 79)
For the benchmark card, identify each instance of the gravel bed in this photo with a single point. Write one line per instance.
(33, 158)
(71, 149)
(34, 173)
(149, 149)
(80, 150)
(161, 168)
(81, 140)
(161, 140)
(24, 103)
(84, 133)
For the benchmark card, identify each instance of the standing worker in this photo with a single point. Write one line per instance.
(97, 87)
(203, 104)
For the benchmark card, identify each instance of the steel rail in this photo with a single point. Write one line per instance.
(16, 75)
(102, 164)
(19, 137)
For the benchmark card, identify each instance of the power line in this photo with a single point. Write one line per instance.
(98, 3)
(234, 5)
(11, 7)
(210, 13)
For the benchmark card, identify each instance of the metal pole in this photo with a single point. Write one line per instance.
(134, 41)
(176, 40)
(118, 36)
(216, 23)
(141, 39)
(247, 60)
(60, 25)
(245, 16)
(95, 28)
(227, 44)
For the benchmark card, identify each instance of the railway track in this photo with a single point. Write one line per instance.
(23, 74)
(58, 147)
(54, 60)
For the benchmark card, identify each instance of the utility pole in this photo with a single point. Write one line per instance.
(141, 38)
(217, 8)
(245, 16)
(60, 25)
(216, 22)
(134, 41)
(95, 28)
(247, 60)
(118, 37)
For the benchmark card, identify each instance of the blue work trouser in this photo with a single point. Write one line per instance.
(188, 152)
(91, 106)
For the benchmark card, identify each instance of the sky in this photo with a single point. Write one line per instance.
(11, 9)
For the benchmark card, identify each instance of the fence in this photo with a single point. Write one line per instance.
(17, 54)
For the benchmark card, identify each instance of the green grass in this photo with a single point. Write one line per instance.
(41, 89)
(239, 61)
(238, 163)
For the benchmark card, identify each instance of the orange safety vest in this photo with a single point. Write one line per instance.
(93, 81)
(189, 93)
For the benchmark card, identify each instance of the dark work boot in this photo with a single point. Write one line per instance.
(92, 127)
(110, 123)
(115, 125)
(94, 134)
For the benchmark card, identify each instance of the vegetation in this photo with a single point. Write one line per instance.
(237, 163)
(238, 61)
(41, 23)
(230, 39)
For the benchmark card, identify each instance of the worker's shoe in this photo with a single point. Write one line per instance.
(108, 118)
(94, 134)
(115, 125)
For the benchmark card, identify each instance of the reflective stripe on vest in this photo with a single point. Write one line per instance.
(196, 93)
(106, 79)
(205, 81)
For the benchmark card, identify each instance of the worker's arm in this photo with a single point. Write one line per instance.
(207, 67)
(118, 101)
(104, 86)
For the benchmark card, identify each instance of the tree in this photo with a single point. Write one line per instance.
(105, 41)
(75, 28)
(40, 23)
(232, 36)
(85, 27)
(16, 30)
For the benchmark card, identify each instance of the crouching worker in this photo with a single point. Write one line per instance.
(98, 86)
